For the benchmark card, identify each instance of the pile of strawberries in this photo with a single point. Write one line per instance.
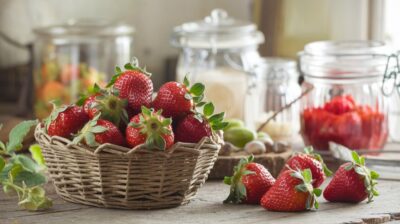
(124, 113)
(296, 187)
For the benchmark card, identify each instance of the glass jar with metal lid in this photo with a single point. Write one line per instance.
(69, 58)
(221, 51)
(346, 105)
(282, 87)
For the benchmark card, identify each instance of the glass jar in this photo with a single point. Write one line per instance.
(281, 76)
(69, 58)
(221, 52)
(346, 104)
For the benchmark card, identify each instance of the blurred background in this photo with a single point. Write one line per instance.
(34, 50)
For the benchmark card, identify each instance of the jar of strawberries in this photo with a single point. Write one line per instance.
(346, 105)
(70, 57)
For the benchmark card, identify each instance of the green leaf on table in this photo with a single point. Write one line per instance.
(36, 153)
(17, 135)
(27, 163)
(2, 163)
(35, 199)
(29, 179)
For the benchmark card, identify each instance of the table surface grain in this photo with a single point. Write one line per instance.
(207, 208)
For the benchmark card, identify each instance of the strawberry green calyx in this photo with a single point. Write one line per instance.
(88, 132)
(106, 102)
(195, 92)
(306, 186)
(216, 121)
(133, 66)
(112, 108)
(96, 89)
(238, 191)
(57, 109)
(369, 176)
(310, 151)
(154, 127)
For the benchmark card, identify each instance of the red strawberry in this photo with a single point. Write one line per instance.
(195, 126)
(133, 84)
(87, 105)
(66, 121)
(249, 182)
(352, 182)
(291, 192)
(312, 161)
(98, 131)
(192, 129)
(111, 107)
(340, 105)
(150, 128)
(176, 99)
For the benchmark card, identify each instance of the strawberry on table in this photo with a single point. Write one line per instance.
(292, 192)
(249, 182)
(150, 128)
(133, 84)
(195, 126)
(353, 182)
(312, 161)
(65, 121)
(177, 99)
(98, 131)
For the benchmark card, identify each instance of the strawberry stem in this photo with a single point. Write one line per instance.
(238, 191)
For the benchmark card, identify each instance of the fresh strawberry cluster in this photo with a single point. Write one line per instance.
(124, 113)
(296, 188)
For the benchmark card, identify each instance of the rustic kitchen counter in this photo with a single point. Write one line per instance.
(208, 208)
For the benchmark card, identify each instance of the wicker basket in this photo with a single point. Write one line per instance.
(112, 176)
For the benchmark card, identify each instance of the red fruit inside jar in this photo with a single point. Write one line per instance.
(342, 121)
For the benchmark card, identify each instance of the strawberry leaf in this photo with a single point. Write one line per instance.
(208, 109)
(374, 174)
(36, 153)
(118, 69)
(186, 81)
(2, 163)
(356, 157)
(17, 135)
(197, 89)
(317, 192)
(228, 180)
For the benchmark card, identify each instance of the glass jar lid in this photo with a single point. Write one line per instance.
(217, 30)
(344, 59)
(85, 27)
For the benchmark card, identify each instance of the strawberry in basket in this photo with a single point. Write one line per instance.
(133, 84)
(65, 121)
(179, 101)
(128, 97)
(150, 128)
(98, 131)
(108, 104)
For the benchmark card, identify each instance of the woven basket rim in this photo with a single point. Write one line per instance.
(215, 139)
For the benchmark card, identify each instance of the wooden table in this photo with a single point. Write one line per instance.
(208, 208)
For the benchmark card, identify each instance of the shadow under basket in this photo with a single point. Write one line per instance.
(112, 176)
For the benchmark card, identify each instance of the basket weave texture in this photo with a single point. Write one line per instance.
(112, 176)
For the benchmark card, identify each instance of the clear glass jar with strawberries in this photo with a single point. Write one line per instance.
(69, 58)
(346, 105)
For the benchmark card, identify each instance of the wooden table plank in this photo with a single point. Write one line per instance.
(207, 208)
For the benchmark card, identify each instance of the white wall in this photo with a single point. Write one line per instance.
(153, 20)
